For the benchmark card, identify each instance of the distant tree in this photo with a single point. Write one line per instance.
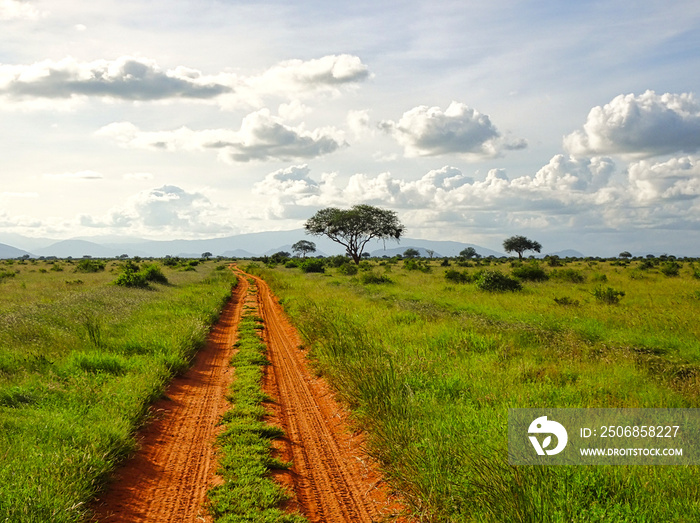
(520, 244)
(625, 254)
(353, 228)
(411, 253)
(207, 255)
(430, 252)
(304, 247)
(280, 257)
(468, 253)
(366, 255)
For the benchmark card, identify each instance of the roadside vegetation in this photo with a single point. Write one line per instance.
(248, 493)
(82, 355)
(431, 354)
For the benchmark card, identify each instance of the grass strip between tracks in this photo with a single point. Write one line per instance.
(248, 493)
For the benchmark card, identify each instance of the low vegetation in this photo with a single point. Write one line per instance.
(248, 493)
(80, 361)
(431, 363)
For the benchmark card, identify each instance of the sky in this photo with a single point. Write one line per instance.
(576, 124)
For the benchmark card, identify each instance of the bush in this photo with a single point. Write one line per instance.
(496, 281)
(373, 277)
(154, 273)
(457, 276)
(90, 265)
(670, 268)
(413, 264)
(566, 301)
(7, 274)
(131, 278)
(570, 275)
(312, 266)
(291, 264)
(608, 295)
(530, 272)
(348, 269)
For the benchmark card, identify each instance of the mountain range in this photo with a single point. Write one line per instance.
(238, 246)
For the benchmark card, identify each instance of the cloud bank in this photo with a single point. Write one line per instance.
(640, 126)
(261, 137)
(142, 79)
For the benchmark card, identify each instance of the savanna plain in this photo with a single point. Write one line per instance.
(429, 355)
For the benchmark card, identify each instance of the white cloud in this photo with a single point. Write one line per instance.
(261, 137)
(677, 179)
(302, 78)
(127, 77)
(18, 10)
(166, 209)
(428, 131)
(641, 126)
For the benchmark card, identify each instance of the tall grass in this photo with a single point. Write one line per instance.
(431, 367)
(79, 365)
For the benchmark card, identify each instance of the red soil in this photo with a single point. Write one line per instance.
(332, 479)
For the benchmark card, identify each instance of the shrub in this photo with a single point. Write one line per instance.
(496, 281)
(457, 276)
(131, 278)
(154, 273)
(531, 272)
(291, 264)
(4, 275)
(413, 264)
(348, 269)
(90, 265)
(570, 275)
(670, 268)
(373, 277)
(312, 266)
(608, 295)
(566, 301)
(337, 261)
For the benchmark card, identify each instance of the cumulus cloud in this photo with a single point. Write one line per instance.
(293, 78)
(128, 78)
(429, 131)
(261, 137)
(641, 126)
(677, 179)
(163, 209)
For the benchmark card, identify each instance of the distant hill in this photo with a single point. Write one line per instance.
(7, 251)
(241, 245)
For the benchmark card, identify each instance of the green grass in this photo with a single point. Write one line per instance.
(248, 493)
(430, 367)
(80, 361)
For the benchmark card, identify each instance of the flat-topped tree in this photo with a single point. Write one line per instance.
(520, 244)
(353, 228)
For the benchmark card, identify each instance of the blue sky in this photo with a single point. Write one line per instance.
(576, 124)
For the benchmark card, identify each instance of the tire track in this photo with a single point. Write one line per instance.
(333, 478)
(166, 481)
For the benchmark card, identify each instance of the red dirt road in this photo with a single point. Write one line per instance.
(168, 478)
(332, 479)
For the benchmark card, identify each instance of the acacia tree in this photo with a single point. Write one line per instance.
(304, 247)
(520, 244)
(353, 228)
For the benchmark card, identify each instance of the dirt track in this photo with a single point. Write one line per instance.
(332, 479)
